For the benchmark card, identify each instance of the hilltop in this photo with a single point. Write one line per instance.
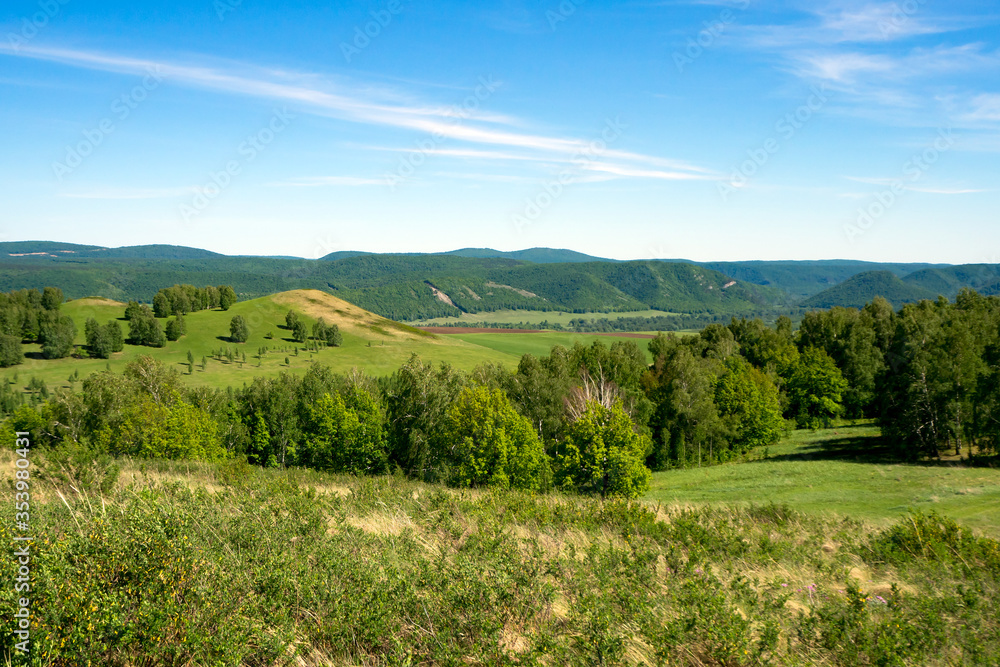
(423, 286)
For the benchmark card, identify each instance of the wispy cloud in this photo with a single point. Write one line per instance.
(128, 193)
(927, 189)
(310, 94)
(321, 181)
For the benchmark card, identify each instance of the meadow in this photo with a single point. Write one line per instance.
(376, 344)
(182, 563)
(845, 471)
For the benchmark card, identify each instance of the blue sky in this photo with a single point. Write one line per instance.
(705, 130)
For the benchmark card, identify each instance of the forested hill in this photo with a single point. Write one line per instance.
(401, 287)
(924, 284)
(473, 280)
(858, 290)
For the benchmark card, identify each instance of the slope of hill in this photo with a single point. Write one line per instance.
(950, 280)
(858, 290)
(803, 279)
(374, 343)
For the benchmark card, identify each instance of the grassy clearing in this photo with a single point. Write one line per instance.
(533, 317)
(541, 343)
(373, 343)
(180, 564)
(844, 471)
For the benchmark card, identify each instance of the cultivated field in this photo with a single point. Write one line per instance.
(532, 317)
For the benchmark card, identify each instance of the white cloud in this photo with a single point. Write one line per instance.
(463, 123)
(128, 193)
(321, 181)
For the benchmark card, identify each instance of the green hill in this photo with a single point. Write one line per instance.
(858, 290)
(950, 280)
(399, 287)
(370, 341)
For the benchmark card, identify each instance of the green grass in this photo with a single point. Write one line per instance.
(379, 347)
(539, 344)
(374, 344)
(533, 317)
(185, 563)
(843, 471)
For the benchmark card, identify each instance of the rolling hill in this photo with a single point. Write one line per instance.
(419, 286)
(858, 290)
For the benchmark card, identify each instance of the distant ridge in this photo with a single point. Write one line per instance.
(860, 289)
(535, 255)
(71, 250)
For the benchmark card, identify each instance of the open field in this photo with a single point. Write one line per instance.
(377, 345)
(190, 563)
(372, 343)
(540, 343)
(532, 317)
(845, 472)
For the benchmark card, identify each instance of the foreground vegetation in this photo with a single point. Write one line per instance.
(225, 564)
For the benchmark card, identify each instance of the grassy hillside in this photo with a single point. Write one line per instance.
(378, 345)
(371, 342)
(862, 288)
(184, 564)
(844, 471)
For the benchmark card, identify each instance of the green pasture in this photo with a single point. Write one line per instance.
(843, 471)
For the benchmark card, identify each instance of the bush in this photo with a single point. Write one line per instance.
(603, 454)
(347, 435)
(492, 445)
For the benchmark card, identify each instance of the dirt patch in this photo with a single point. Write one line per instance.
(441, 296)
(350, 318)
(522, 292)
(97, 301)
(467, 330)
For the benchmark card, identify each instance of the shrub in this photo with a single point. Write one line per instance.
(492, 445)
(603, 454)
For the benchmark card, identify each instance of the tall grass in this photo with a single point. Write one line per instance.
(230, 565)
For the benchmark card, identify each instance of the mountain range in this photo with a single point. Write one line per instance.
(416, 286)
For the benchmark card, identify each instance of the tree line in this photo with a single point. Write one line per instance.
(30, 316)
(595, 418)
